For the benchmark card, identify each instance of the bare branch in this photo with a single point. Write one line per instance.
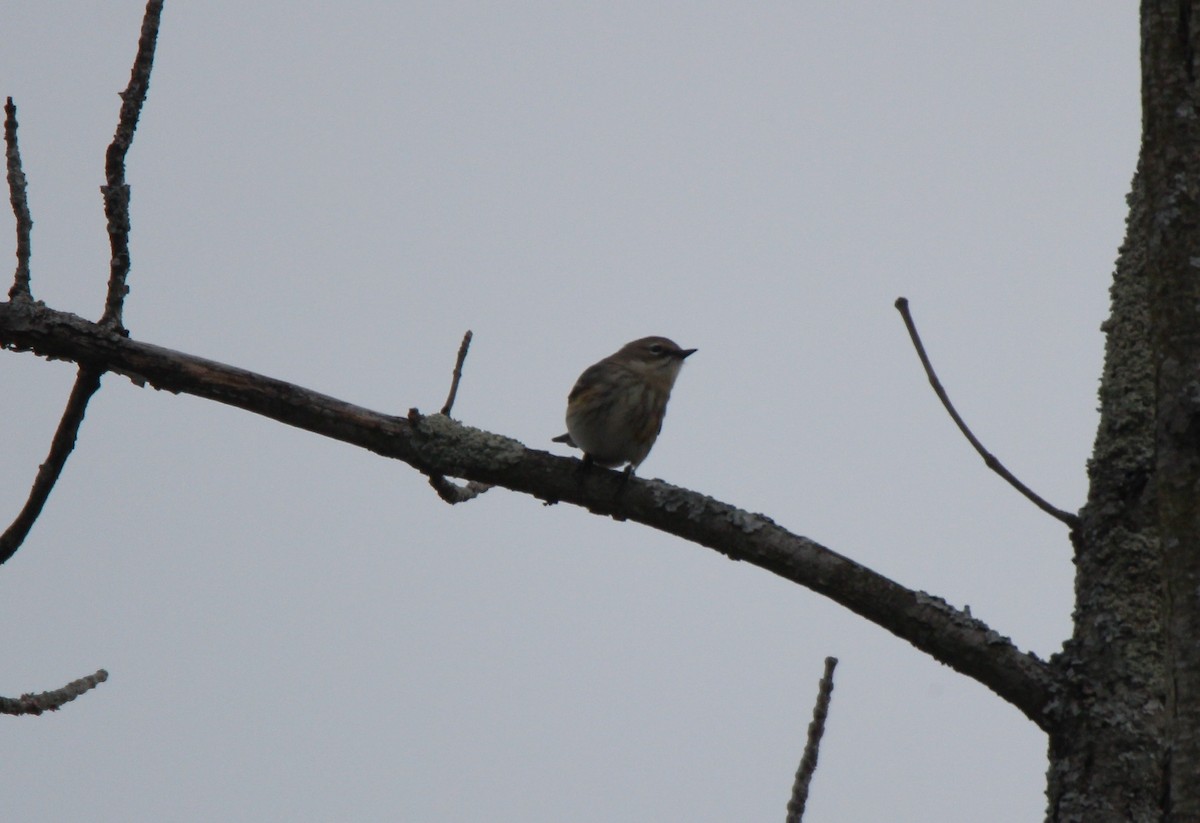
(808, 763)
(87, 381)
(116, 190)
(20, 203)
(438, 444)
(458, 364)
(988, 458)
(51, 701)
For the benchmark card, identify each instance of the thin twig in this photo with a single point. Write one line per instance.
(808, 763)
(449, 491)
(87, 381)
(458, 364)
(453, 493)
(116, 190)
(51, 701)
(20, 203)
(116, 206)
(988, 458)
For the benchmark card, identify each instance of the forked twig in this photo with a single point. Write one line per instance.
(87, 381)
(988, 458)
(116, 190)
(20, 203)
(116, 206)
(51, 701)
(458, 364)
(816, 728)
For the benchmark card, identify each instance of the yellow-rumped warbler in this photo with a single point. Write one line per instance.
(615, 411)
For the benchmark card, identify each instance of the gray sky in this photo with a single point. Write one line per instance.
(332, 193)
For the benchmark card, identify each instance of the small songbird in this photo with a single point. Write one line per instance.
(615, 411)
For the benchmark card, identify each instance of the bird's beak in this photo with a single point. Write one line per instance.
(683, 353)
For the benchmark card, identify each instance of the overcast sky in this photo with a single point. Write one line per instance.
(331, 193)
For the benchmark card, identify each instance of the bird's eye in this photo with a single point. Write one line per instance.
(657, 349)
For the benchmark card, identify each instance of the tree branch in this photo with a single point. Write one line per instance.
(51, 701)
(438, 444)
(116, 190)
(20, 203)
(453, 493)
(448, 490)
(992, 463)
(816, 729)
(87, 381)
(458, 364)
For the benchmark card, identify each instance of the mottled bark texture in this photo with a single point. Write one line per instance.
(1124, 743)
(1170, 165)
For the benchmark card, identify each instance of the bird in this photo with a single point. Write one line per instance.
(615, 410)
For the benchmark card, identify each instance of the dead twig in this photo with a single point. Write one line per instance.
(51, 701)
(988, 458)
(449, 491)
(87, 381)
(808, 763)
(116, 190)
(453, 493)
(116, 206)
(458, 364)
(20, 203)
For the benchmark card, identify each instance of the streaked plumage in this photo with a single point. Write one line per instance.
(615, 411)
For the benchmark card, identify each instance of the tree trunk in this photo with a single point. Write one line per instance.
(1124, 743)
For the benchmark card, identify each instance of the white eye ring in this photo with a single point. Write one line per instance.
(656, 349)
